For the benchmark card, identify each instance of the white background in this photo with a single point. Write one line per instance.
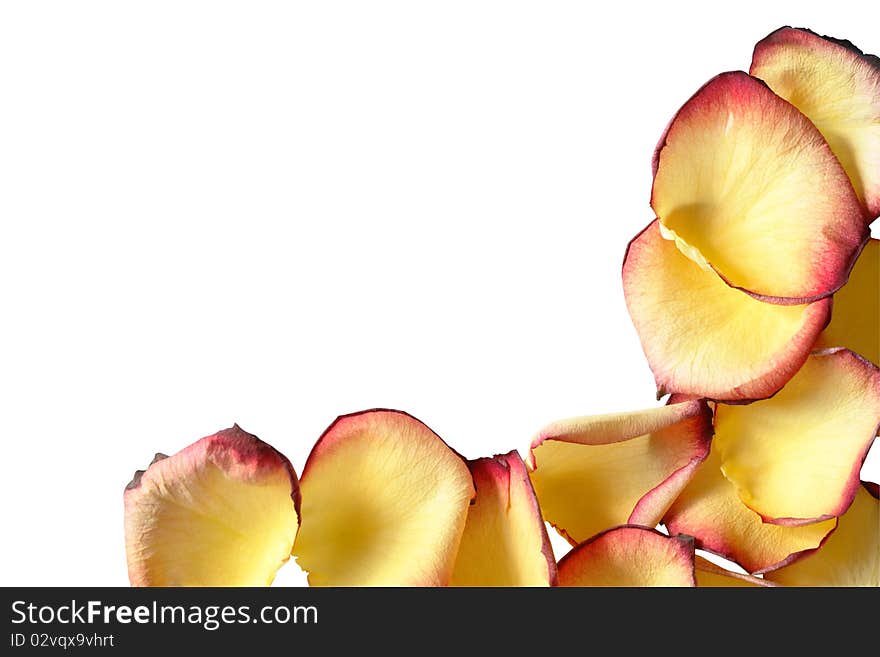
(274, 213)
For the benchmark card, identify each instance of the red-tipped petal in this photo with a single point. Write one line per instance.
(629, 556)
(837, 87)
(850, 556)
(704, 338)
(748, 186)
(595, 472)
(795, 458)
(505, 541)
(384, 504)
(710, 510)
(222, 512)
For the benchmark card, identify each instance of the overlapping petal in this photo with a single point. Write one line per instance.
(747, 186)
(795, 458)
(709, 574)
(222, 512)
(704, 338)
(629, 556)
(855, 320)
(838, 88)
(710, 510)
(850, 556)
(384, 504)
(505, 541)
(591, 473)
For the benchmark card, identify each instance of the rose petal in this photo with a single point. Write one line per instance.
(505, 541)
(704, 338)
(222, 512)
(850, 556)
(384, 504)
(795, 458)
(838, 88)
(710, 510)
(629, 556)
(592, 473)
(748, 186)
(855, 319)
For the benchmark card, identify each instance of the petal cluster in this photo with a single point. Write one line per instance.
(756, 287)
(755, 292)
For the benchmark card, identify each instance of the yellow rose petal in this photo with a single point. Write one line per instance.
(704, 338)
(838, 88)
(505, 541)
(384, 504)
(795, 458)
(592, 473)
(629, 556)
(222, 512)
(850, 556)
(745, 180)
